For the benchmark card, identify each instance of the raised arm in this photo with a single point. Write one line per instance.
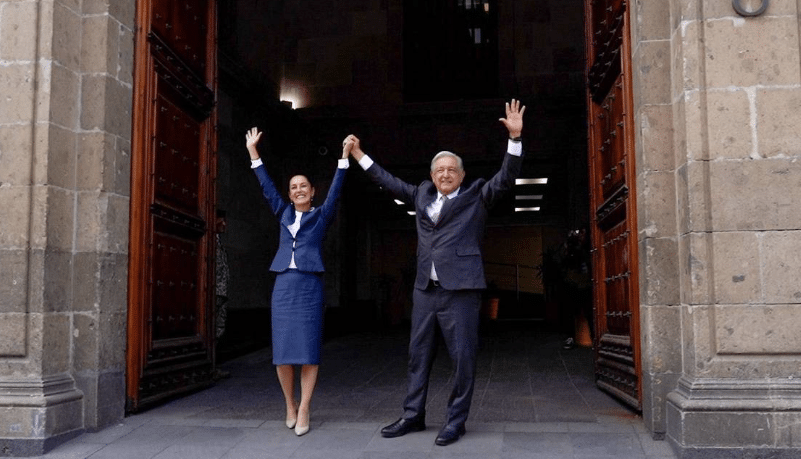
(400, 189)
(270, 193)
(504, 179)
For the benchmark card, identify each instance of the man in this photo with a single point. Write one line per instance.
(450, 271)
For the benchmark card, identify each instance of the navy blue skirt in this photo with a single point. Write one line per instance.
(297, 318)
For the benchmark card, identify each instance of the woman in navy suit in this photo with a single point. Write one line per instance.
(297, 302)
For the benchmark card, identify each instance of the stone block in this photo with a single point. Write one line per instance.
(96, 162)
(656, 199)
(61, 157)
(788, 429)
(731, 133)
(125, 59)
(100, 44)
(13, 334)
(727, 429)
(39, 215)
(72, 5)
(66, 37)
(755, 195)
(714, 10)
(650, 20)
(106, 105)
(656, 136)
(114, 282)
(697, 339)
(780, 266)
(104, 398)
(57, 295)
(15, 155)
(18, 31)
(658, 327)
(687, 59)
(682, 200)
(695, 253)
(113, 339)
(736, 267)
(15, 202)
(85, 342)
(14, 285)
(117, 224)
(757, 329)
(56, 343)
(655, 388)
(16, 88)
(778, 123)
(659, 278)
(696, 147)
(122, 168)
(735, 52)
(86, 281)
(61, 96)
(60, 214)
(110, 399)
(91, 214)
(123, 11)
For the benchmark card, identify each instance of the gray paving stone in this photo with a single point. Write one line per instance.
(531, 401)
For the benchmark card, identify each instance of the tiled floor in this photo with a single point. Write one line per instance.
(532, 400)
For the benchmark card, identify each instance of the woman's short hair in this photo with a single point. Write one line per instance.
(443, 154)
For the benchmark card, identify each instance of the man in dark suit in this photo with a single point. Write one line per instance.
(450, 271)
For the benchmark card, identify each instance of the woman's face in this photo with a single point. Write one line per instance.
(301, 192)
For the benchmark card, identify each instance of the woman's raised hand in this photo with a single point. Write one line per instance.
(351, 147)
(252, 138)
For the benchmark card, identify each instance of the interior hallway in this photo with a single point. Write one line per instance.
(532, 400)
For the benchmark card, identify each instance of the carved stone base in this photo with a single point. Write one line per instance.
(724, 418)
(38, 415)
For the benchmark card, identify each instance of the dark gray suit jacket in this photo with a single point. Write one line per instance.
(454, 242)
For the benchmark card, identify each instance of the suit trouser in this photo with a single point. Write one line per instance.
(456, 312)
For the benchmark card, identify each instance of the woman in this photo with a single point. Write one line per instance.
(297, 304)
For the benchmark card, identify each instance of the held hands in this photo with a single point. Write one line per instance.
(252, 138)
(514, 118)
(350, 146)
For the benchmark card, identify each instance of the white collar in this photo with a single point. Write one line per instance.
(450, 196)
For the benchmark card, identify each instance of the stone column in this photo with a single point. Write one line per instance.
(658, 236)
(66, 87)
(733, 104)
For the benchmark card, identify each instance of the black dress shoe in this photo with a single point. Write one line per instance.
(402, 427)
(449, 434)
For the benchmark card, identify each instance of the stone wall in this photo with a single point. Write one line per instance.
(65, 125)
(717, 97)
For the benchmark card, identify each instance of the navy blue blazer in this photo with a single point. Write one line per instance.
(308, 241)
(454, 242)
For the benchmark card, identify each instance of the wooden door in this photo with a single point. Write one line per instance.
(612, 200)
(170, 304)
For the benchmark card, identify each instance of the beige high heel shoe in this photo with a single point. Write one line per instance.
(302, 430)
(290, 423)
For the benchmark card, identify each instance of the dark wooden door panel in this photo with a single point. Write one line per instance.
(170, 305)
(612, 200)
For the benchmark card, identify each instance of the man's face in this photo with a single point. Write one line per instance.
(447, 176)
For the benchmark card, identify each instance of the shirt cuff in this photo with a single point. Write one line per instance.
(365, 162)
(342, 163)
(515, 148)
(254, 163)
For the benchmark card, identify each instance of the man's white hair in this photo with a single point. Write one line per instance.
(443, 154)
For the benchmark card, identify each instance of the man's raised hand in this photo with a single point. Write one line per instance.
(514, 118)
